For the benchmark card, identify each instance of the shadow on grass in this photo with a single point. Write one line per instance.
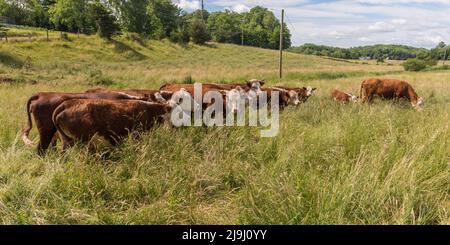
(10, 60)
(122, 48)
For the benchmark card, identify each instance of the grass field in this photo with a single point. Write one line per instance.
(330, 164)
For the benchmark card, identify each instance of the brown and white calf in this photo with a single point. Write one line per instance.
(42, 106)
(390, 89)
(79, 120)
(303, 93)
(343, 97)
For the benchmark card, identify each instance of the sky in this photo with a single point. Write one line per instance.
(350, 23)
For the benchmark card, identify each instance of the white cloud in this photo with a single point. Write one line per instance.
(189, 5)
(399, 21)
(364, 39)
(349, 23)
(240, 8)
(382, 27)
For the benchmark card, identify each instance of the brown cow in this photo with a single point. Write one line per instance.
(253, 84)
(42, 106)
(304, 93)
(82, 119)
(390, 89)
(343, 97)
(152, 95)
(285, 97)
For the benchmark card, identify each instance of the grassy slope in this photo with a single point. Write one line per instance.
(330, 164)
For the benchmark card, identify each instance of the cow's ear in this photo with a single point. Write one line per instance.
(249, 84)
(262, 82)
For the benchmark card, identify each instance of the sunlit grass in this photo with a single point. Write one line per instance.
(354, 164)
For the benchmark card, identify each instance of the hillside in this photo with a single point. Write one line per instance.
(137, 62)
(330, 163)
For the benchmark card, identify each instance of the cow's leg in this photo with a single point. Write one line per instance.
(66, 142)
(370, 99)
(46, 136)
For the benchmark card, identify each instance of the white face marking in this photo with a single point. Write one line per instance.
(419, 105)
(184, 99)
(353, 98)
(309, 91)
(293, 98)
(235, 97)
(159, 98)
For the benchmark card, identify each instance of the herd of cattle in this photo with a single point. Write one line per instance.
(111, 114)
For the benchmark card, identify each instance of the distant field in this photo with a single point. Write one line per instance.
(330, 164)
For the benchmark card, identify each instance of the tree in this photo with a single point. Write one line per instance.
(199, 33)
(104, 20)
(133, 16)
(225, 27)
(71, 15)
(167, 15)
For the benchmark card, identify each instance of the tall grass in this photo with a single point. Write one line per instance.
(330, 163)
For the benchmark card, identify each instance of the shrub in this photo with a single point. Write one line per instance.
(199, 33)
(188, 80)
(417, 65)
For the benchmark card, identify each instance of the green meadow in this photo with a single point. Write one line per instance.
(330, 163)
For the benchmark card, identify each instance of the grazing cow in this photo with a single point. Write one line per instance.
(42, 106)
(390, 89)
(253, 84)
(82, 119)
(152, 95)
(343, 97)
(304, 93)
(286, 97)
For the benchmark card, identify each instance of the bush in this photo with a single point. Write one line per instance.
(418, 65)
(181, 38)
(199, 33)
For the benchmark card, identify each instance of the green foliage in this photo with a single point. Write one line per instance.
(72, 15)
(381, 51)
(225, 26)
(199, 32)
(105, 22)
(167, 14)
(418, 65)
(440, 52)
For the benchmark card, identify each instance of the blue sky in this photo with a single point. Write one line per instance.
(347, 23)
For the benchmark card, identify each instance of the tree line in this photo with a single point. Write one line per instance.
(376, 52)
(153, 19)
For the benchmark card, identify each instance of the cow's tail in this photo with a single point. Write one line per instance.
(361, 91)
(26, 131)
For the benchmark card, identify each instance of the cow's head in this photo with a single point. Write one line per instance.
(160, 98)
(353, 98)
(290, 97)
(304, 93)
(419, 104)
(184, 99)
(310, 91)
(255, 85)
(235, 97)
